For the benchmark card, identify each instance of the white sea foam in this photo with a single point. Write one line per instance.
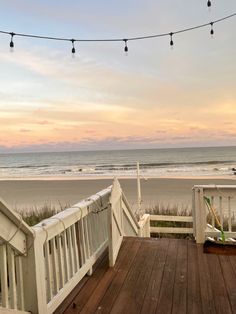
(153, 162)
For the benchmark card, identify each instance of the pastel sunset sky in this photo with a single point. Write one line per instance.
(101, 99)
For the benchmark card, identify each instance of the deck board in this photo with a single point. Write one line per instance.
(157, 276)
(126, 298)
(229, 280)
(154, 285)
(179, 304)
(106, 292)
(220, 295)
(194, 303)
(115, 286)
(208, 304)
(130, 298)
(167, 287)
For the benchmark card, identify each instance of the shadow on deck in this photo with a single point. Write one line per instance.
(157, 276)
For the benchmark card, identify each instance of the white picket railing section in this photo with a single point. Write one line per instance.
(123, 222)
(40, 266)
(223, 200)
(15, 237)
(174, 219)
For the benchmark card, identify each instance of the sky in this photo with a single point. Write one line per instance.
(101, 99)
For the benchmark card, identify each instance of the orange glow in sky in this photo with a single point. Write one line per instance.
(101, 99)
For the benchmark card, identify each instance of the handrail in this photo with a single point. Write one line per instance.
(69, 243)
(14, 231)
(58, 223)
(174, 229)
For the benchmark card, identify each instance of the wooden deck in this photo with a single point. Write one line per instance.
(158, 276)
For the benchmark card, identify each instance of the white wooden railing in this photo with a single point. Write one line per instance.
(15, 237)
(40, 266)
(223, 200)
(173, 219)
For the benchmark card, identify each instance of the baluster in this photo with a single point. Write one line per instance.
(102, 227)
(90, 234)
(221, 212)
(74, 242)
(78, 241)
(82, 241)
(88, 252)
(96, 231)
(3, 274)
(229, 213)
(60, 260)
(19, 283)
(55, 266)
(48, 270)
(71, 252)
(212, 217)
(12, 277)
(93, 231)
(65, 254)
(105, 226)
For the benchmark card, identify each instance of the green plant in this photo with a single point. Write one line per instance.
(213, 213)
(37, 214)
(170, 210)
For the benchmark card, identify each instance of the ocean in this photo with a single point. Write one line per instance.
(172, 162)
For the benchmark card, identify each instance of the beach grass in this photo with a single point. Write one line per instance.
(38, 213)
(170, 210)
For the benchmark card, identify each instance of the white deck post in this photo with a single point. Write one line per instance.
(199, 215)
(139, 190)
(34, 277)
(194, 211)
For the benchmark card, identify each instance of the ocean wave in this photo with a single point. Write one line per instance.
(113, 167)
(24, 166)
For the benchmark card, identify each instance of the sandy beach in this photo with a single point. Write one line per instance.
(26, 194)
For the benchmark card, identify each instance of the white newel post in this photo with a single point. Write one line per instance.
(34, 276)
(139, 190)
(199, 215)
(144, 226)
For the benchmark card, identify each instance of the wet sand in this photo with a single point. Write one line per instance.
(27, 194)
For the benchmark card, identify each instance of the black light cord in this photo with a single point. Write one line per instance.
(72, 40)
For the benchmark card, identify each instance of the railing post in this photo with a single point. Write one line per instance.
(199, 215)
(144, 226)
(34, 276)
(148, 227)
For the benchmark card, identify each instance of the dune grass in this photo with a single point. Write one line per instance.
(37, 214)
(170, 210)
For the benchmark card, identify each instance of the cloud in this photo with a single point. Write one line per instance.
(43, 122)
(25, 130)
(153, 97)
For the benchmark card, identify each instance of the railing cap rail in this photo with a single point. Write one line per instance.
(59, 222)
(215, 186)
(15, 218)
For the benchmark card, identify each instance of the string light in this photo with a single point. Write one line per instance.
(212, 30)
(126, 49)
(171, 40)
(73, 46)
(11, 42)
(120, 39)
(209, 3)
